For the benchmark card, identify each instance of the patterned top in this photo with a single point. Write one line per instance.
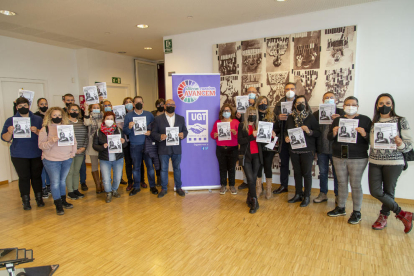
(390, 156)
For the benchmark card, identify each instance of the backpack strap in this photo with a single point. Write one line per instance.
(47, 130)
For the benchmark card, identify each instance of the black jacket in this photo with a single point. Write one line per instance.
(312, 124)
(159, 127)
(244, 140)
(281, 124)
(101, 139)
(339, 111)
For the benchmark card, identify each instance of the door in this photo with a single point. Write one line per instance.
(117, 93)
(147, 83)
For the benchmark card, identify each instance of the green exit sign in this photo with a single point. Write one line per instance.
(168, 46)
(116, 80)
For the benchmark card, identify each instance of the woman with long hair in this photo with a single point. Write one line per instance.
(385, 166)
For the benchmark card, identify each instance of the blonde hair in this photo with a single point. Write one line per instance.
(269, 113)
(91, 105)
(48, 116)
(246, 118)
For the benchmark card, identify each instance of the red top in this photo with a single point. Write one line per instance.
(253, 144)
(234, 124)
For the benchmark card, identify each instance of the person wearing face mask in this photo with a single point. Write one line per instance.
(129, 107)
(42, 105)
(109, 161)
(302, 158)
(284, 149)
(107, 106)
(137, 143)
(227, 150)
(324, 151)
(25, 154)
(350, 160)
(385, 166)
(93, 120)
(81, 135)
(70, 99)
(56, 159)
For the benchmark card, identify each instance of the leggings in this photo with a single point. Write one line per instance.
(267, 164)
(251, 167)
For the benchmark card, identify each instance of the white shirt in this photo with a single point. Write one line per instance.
(171, 120)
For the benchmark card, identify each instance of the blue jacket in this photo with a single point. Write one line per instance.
(24, 147)
(159, 127)
(136, 139)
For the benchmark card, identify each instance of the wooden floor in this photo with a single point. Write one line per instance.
(203, 234)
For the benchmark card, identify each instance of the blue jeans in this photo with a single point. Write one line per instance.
(106, 167)
(150, 170)
(83, 171)
(58, 171)
(45, 178)
(137, 152)
(176, 161)
(323, 162)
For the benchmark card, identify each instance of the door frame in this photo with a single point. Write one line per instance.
(136, 61)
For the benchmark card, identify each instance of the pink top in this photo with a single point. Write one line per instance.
(51, 150)
(234, 124)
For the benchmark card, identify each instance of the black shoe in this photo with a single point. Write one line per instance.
(84, 187)
(45, 193)
(162, 193)
(134, 191)
(39, 199)
(59, 207)
(296, 198)
(338, 211)
(254, 206)
(281, 189)
(79, 194)
(305, 202)
(154, 191)
(249, 200)
(180, 192)
(26, 202)
(243, 186)
(355, 217)
(66, 204)
(123, 182)
(73, 196)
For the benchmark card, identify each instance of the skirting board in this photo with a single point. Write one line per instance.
(4, 182)
(197, 188)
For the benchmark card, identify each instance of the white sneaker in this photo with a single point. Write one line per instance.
(223, 190)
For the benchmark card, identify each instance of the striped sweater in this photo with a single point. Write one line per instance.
(81, 134)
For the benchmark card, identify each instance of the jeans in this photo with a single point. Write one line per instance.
(116, 167)
(150, 170)
(128, 163)
(82, 171)
(284, 156)
(176, 161)
(72, 180)
(227, 158)
(251, 167)
(323, 163)
(45, 178)
(302, 168)
(58, 171)
(267, 164)
(29, 171)
(136, 155)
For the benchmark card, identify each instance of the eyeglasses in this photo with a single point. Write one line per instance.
(170, 105)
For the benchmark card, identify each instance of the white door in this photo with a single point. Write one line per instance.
(117, 93)
(147, 83)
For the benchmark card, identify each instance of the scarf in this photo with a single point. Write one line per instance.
(299, 117)
(108, 130)
(95, 120)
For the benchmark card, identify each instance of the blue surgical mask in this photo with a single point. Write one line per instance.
(96, 110)
(226, 114)
(330, 101)
(252, 96)
(108, 108)
(129, 106)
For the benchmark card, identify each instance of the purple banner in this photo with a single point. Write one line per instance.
(197, 98)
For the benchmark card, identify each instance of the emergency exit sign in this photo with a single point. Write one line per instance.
(116, 80)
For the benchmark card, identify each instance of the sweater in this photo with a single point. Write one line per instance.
(81, 134)
(234, 124)
(51, 150)
(136, 139)
(310, 139)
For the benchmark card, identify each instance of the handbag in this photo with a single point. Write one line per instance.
(408, 156)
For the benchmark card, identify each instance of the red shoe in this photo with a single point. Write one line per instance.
(144, 185)
(381, 222)
(129, 187)
(407, 219)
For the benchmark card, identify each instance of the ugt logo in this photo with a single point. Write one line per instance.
(188, 91)
(197, 126)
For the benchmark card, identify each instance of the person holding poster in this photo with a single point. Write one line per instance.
(227, 150)
(25, 154)
(302, 158)
(56, 159)
(159, 133)
(385, 166)
(70, 99)
(350, 159)
(324, 151)
(107, 105)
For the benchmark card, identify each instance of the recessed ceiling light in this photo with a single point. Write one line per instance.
(121, 52)
(7, 12)
(142, 26)
(148, 48)
(189, 17)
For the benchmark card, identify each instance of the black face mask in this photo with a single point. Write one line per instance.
(43, 108)
(160, 108)
(74, 114)
(23, 110)
(57, 120)
(300, 107)
(67, 104)
(252, 118)
(262, 107)
(170, 109)
(138, 106)
(384, 109)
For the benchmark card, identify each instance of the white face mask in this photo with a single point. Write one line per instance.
(330, 101)
(109, 123)
(290, 94)
(351, 110)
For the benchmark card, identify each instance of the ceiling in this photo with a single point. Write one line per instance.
(110, 25)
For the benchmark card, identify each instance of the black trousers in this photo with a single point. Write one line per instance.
(142, 170)
(227, 158)
(267, 164)
(29, 171)
(251, 167)
(284, 156)
(382, 181)
(302, 168)
(128, 163)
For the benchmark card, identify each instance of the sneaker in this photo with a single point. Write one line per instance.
(45, 193)
(180, 192)
(355, 217)
(223, 190)
(233, 190)
(73, 196)
(321, 198)
(243, 186)
(108, 197)
(162, 193)
(338, 211)
(79, 194)
(116, 194)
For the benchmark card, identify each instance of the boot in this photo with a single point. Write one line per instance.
(249, 200)
(381, 222)
(59, 207)
(254, 206)
(39, 199)
(66, 204)
(259, 189)
(95, 176)
(407, 219)
(26, 202)
(269, 188)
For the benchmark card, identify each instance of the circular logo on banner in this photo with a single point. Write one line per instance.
(188, 91)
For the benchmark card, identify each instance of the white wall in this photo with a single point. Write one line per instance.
(384, 55)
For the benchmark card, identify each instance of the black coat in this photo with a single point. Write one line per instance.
(99, 139)
(312, 124)
(159, 127)
(339, 111)
(244, 140)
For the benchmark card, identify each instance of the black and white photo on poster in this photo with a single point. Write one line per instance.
(224, 132)
(325, 113)
(252, 81)
(297, 138)
(340, 46)
(384, 135)
(276, 82)
(229, 89)
(172, 136)
(120, 113)
(66, 135)
(102, 91)
(306, 82)
(29, 95)
(91, 94)
(242, 103)
(140, 125)
(114, 143)
(286, 107)
(264, 132)
(227, 59)
(278, 54)
(347, 130)
(306, 50)
(252, 56)
(340, 82)
(21, 127)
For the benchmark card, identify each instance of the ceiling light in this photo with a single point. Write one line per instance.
(121, 52)
(148, 48)
(142, 26)
(189, 17)
(7, 12)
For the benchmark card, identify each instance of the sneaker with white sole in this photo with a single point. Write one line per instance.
(338, 211)
(223, 190)
(321, 198)
(233, 190)
(355, 217)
